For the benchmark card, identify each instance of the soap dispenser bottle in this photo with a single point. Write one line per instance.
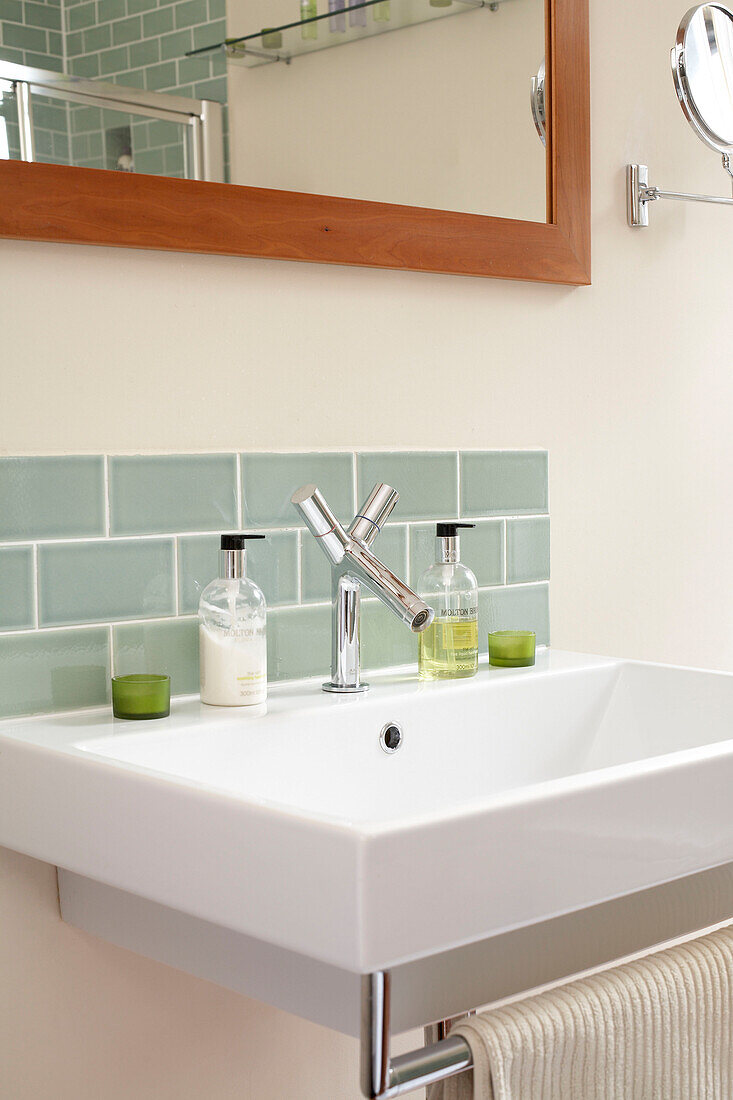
(232, 632)
(449, 647)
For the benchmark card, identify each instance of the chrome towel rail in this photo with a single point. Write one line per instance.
(384, 1077)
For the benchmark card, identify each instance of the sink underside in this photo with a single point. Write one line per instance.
(515, 797)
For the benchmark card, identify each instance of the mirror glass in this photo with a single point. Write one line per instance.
(439, 115)
(703, 65)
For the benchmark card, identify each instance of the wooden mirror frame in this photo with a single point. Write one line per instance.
(45, 202)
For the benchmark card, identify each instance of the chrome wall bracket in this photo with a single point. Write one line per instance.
(384, 1077)
(639, 194)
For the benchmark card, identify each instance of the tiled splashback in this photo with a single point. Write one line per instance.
(102, 559)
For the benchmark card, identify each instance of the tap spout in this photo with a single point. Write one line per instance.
(359, 562)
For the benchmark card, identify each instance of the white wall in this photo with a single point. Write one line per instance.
(628, 383)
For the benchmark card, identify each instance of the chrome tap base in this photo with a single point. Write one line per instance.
(338, 689)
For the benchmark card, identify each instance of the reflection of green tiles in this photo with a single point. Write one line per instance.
(51, 497)
(271, 563)
(144, 53)
(175, 45)
(503, 482)
(111, 9)
(24, 38)
(85, 66)
(59, 670)
(528, 550)
(269, 481)
(210, 35)
(127, 30)
(482, 550)
(390, 547)
(39, 15)
(97, 38)
(150, 162)
(191, 12)
(113, 61)
(81, 16)
(427, 482)
(93, 582)
(151, 495)
(385, 641)
(299, 643)
(212, 89)
(191, 69)
(16, 588)
(170, 648)
(11, 11)
(157, 22)
(160, 76)
(515, 609)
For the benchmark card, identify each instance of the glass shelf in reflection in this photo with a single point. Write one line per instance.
(349, 24)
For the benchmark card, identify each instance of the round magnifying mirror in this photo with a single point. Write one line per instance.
(702, 64)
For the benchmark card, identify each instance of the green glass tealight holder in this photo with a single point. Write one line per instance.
(272, 38)
(512, 648)
(141, 696)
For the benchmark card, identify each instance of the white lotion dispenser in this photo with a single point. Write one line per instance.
(232, 632)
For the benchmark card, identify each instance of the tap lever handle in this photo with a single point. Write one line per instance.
(375, 512)
(320, 521)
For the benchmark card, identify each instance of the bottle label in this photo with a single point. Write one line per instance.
(457, 613)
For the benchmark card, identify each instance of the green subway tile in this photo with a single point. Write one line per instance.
(61, 670)
(127, 30)
(152, 495)
(299, 643)
(136, 7)
(525, 608)
(97, 38)
(157, 22)
(16, 588)
(507, 483)
(385, 640)
(482, 550)
(48, 115)
(83, 15)
(42, 15)
(217, 9)
(113, 61)
(175, 45)
(271, 563)
(111, 9)
(51, 497)
(144, 53)
(56, 47)
(85, 66)
(528, 550)
(11, 11)
(191, 69)
(426, 481)
(210, 35)
(212, 89)
(390, 546)
(43, 143)
(160, 76)
(74, 43)
(79, 147)
(191, 12)
(170, 648)
(24, 38)
(96, 145)
(99, 581)
(269, 481)
(174, 161)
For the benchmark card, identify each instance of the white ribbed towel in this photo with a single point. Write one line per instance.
(655, 1029)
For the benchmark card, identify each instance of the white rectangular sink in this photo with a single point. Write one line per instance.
(515, 797)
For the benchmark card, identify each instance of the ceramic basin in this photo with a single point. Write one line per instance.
(514, 797)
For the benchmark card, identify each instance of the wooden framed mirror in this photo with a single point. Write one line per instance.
(51, 202)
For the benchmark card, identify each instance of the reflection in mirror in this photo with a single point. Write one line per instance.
(435, 116)
(538, 103)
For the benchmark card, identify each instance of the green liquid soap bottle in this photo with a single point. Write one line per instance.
(449, 647)
(308, 10)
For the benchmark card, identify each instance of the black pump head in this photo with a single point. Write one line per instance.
(236, 542)
(449, 530)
